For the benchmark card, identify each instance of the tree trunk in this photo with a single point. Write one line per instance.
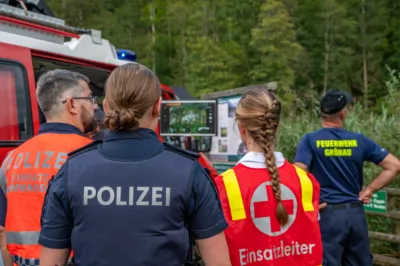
(364, 54)
(169, 34)
(64, 8)
(205, 17)
(184, 54)
(327, 48)
(153, 34)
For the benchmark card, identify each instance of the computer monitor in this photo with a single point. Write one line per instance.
(188, 118)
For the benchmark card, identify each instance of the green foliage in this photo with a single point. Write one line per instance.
(274, 39)
(391, 99)
(188, 119)
(305, 45)
(208, 66)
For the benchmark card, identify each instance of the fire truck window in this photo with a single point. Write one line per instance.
(15, 119)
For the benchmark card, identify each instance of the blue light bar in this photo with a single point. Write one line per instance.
(126, 55)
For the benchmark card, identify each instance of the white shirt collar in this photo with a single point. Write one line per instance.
(257, 159)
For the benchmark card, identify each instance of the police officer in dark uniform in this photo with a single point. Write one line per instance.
(335, 157)
(130, 199)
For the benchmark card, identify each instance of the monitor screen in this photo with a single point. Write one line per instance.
(188, 118)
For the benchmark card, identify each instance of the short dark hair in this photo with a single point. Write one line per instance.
(52, 85)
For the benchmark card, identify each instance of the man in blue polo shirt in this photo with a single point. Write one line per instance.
(335, 157)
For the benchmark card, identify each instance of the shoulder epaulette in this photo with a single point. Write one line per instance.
(89, 147)
(188, 154)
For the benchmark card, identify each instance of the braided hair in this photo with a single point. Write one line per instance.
(259, 113)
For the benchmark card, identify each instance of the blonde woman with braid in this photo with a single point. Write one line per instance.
(271, 206)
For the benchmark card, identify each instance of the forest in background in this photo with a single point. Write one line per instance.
(307, 46)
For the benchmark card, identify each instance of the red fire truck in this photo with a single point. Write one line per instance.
(32, 43)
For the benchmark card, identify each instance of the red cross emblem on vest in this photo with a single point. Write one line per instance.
(263, 209)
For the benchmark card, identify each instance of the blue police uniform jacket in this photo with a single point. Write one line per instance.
(335, 156)
(130, 201)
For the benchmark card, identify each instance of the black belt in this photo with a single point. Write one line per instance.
(342, 206)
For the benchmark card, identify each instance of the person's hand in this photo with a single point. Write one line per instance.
(7, 258)
(322, 205)
(365, 195)
(2, 237)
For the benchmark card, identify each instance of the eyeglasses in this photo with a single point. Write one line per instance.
(92, 99)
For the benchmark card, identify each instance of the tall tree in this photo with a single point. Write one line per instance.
(208, 67)
(328, 35)
(392, 51)
(339, 37)
(371, 42)
(274, 41)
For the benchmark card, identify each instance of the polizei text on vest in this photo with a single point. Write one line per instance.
(127, 196)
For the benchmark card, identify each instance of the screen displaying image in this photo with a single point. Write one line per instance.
(188, 118)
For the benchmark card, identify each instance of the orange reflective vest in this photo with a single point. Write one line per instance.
(255, 236)
(28, 170)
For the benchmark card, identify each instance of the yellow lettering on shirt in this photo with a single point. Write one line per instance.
(337, 148)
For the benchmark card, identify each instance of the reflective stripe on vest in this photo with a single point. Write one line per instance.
(306, 189)
(23, 238)
(235, 199)
(234, 195)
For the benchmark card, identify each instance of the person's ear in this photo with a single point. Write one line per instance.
(156, 112)
(71, 106)
(105, 106)
(243, 132)
(343, 114)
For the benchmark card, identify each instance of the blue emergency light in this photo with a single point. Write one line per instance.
(126, 55)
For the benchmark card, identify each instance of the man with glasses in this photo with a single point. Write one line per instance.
(68, 105)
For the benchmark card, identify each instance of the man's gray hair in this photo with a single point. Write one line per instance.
(52, 87)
